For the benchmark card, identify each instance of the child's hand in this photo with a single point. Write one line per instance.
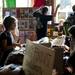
(16, 44)
(18, 41)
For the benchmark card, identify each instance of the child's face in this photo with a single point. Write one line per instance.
(13, 26)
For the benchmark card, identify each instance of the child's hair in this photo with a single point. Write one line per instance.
(44, 10)
(8, 21)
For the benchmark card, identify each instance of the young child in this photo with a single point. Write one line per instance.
(7, 41)
(42, 19)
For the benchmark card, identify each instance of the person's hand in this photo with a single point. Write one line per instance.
(18, 41)
(38, 9)
(16, 44)
(70, 69)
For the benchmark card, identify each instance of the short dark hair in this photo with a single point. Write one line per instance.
(8, 21)
(73, 7)
(44, 10)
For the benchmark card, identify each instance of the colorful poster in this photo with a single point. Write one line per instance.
(61, 15)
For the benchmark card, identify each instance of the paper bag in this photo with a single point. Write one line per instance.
(38, 59)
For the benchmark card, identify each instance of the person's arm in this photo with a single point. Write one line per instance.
(5, 46)
(50, 17)
(54, 14)
(37, 12)
(16, 44)
(4, 42)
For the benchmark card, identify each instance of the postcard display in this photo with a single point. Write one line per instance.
(26, 22)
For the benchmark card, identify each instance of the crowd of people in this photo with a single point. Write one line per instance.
(66, 27)
(8, 42)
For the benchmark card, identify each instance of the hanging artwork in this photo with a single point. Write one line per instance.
(61, 15)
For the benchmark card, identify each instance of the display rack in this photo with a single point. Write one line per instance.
(26, 22)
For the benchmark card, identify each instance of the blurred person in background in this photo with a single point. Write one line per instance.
(7, 41)
(42, 19)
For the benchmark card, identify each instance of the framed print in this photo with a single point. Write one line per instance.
(30, 12)
(32, 24)
(26, 13)
(23, 24)
(21, 33)
(22, 13)
(61, 15)
(7, 12)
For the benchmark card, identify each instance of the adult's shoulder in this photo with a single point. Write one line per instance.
(71, 14)
(3, 35)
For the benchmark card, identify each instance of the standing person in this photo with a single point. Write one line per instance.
(72, 35)
(42, 19)
(69, 27)
(7, 42)
(71, 17)
(70, 21)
